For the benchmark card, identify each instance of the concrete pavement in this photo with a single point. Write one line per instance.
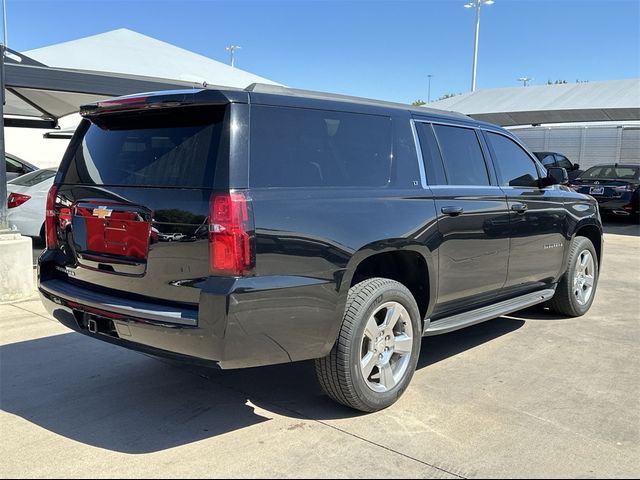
(528, 395)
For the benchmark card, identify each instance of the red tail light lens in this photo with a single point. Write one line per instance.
(16, 199)
(230, 226)
(50, 218)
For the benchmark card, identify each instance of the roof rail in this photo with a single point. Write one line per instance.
(295, 92)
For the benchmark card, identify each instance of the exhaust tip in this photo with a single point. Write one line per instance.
(92, 325)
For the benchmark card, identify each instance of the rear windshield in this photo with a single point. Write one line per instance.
(613, 172)
(171, 148)
(33, 178)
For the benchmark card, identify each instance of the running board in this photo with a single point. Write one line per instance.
(455, 322)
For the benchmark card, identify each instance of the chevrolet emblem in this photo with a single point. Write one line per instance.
(102, 212)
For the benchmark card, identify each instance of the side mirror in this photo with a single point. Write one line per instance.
(557, 176)
(576, 166)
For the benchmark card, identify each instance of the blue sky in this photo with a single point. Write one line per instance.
(378, 49)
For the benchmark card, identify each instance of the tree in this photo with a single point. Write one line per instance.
(418, 103)
(448, 95)
(557, 82)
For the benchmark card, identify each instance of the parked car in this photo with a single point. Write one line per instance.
(554, 159)
(615, 186)
(338, 229)
(171, 237)
(16, 166)
(27, 199)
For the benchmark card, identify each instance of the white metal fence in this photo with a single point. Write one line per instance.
(586, 145)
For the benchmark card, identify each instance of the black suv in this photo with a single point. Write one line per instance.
(240, 228)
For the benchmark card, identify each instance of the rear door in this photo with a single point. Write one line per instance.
(131, 182)
(473, 219)
(537, 216)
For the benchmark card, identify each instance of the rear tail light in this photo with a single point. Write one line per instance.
(624, 188)
(50, 218)
(16, 199)
(230, 234)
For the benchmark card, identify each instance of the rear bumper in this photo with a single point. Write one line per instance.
(246, 323)
(25, 221)
(615, 205)
(138, 340)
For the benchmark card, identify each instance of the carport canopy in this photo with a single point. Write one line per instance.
(37, 96)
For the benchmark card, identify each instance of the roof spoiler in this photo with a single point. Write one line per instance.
(156, 100)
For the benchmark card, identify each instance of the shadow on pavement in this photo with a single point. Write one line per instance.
(112, 398)
(98, 394)
(440, 347)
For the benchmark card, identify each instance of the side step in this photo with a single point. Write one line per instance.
(466, 319)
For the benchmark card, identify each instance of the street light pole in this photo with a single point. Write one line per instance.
(476, 4)
(429, 91)
(232, 50)
(525, 81)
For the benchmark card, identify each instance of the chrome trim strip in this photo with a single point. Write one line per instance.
(423, 175)
(132, 309)
(448, 124)
(493, 187)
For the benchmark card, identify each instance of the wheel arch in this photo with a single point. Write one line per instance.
(593, 232)
(408, 263)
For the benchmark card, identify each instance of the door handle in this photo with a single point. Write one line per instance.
(452, 211)
(519, 207)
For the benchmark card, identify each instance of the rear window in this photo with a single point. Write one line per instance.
(613, 172)
(292, 147)
(171, 148)
(33, 178)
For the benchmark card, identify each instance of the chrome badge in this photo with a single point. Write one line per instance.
(102, 212)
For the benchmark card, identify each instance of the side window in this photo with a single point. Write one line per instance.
(295, 147)
(430, 154)
(462, 156)
(549, 160)
(13, 166)
(516, 168)
(563, 162)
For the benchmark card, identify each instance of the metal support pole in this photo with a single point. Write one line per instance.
(4, 224)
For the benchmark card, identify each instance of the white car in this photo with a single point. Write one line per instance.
(27, 200)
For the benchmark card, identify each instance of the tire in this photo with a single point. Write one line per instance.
(390, 351)
(567, 301)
